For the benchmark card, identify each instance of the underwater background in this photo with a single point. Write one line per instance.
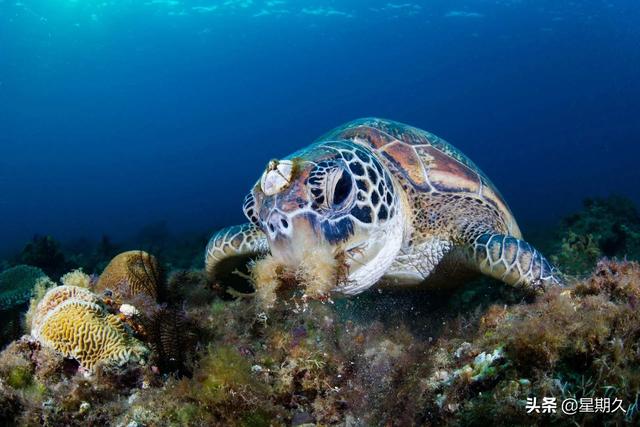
(119, 114)
(132, 130)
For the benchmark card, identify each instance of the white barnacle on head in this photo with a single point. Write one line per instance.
(276, 177)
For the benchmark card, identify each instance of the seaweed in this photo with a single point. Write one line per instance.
(608, 227)
(468, 356)
(353, 361)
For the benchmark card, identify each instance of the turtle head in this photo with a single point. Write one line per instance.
(333, 195)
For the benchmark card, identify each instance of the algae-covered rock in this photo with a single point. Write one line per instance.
(17, 285)
(313, 364)
(604, 227)
(9, 405)
(569, 344)
(388, 357)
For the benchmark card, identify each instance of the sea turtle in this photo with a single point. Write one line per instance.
(402, 203)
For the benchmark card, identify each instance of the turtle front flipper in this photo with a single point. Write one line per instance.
(230, 249)
(514, 262)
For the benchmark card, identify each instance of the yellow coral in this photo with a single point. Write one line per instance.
(56, 296)
(72, 321)
(129, 274)
(39, 291)
(76, 278)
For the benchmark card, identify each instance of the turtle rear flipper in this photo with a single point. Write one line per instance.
(514, 262)
(229, 252)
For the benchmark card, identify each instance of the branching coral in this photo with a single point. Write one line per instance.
(72, 321)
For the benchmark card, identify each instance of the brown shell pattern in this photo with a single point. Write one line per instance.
(428, 162)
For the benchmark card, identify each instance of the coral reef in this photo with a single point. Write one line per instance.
(131, 274)
(477, 355)
(73, 322)
(382, 358)
(76, 278)
(43, 304)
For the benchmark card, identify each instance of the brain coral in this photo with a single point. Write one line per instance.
(17, 284)
(131, 274)
(72, 321)
(56, 296)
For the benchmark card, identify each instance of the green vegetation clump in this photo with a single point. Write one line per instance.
(469, 356)
(9, 405)
(608, 227)
(20, 377)
(579, 342)
(331, 363)
(221, 370)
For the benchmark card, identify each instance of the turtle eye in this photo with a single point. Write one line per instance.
(331, 187)
(341, 188)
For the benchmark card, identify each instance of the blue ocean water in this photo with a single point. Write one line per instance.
(115, 114)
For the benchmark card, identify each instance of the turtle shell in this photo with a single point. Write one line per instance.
(428, 163)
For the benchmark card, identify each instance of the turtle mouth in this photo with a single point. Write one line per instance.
(356, 254)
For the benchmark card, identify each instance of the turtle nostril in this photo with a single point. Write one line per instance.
(278, 223)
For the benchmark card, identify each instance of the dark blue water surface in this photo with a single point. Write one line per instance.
(115, 114)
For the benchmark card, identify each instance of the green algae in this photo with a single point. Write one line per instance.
(20, 377)
(471, 356)
(605, 227)
(314, 364)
